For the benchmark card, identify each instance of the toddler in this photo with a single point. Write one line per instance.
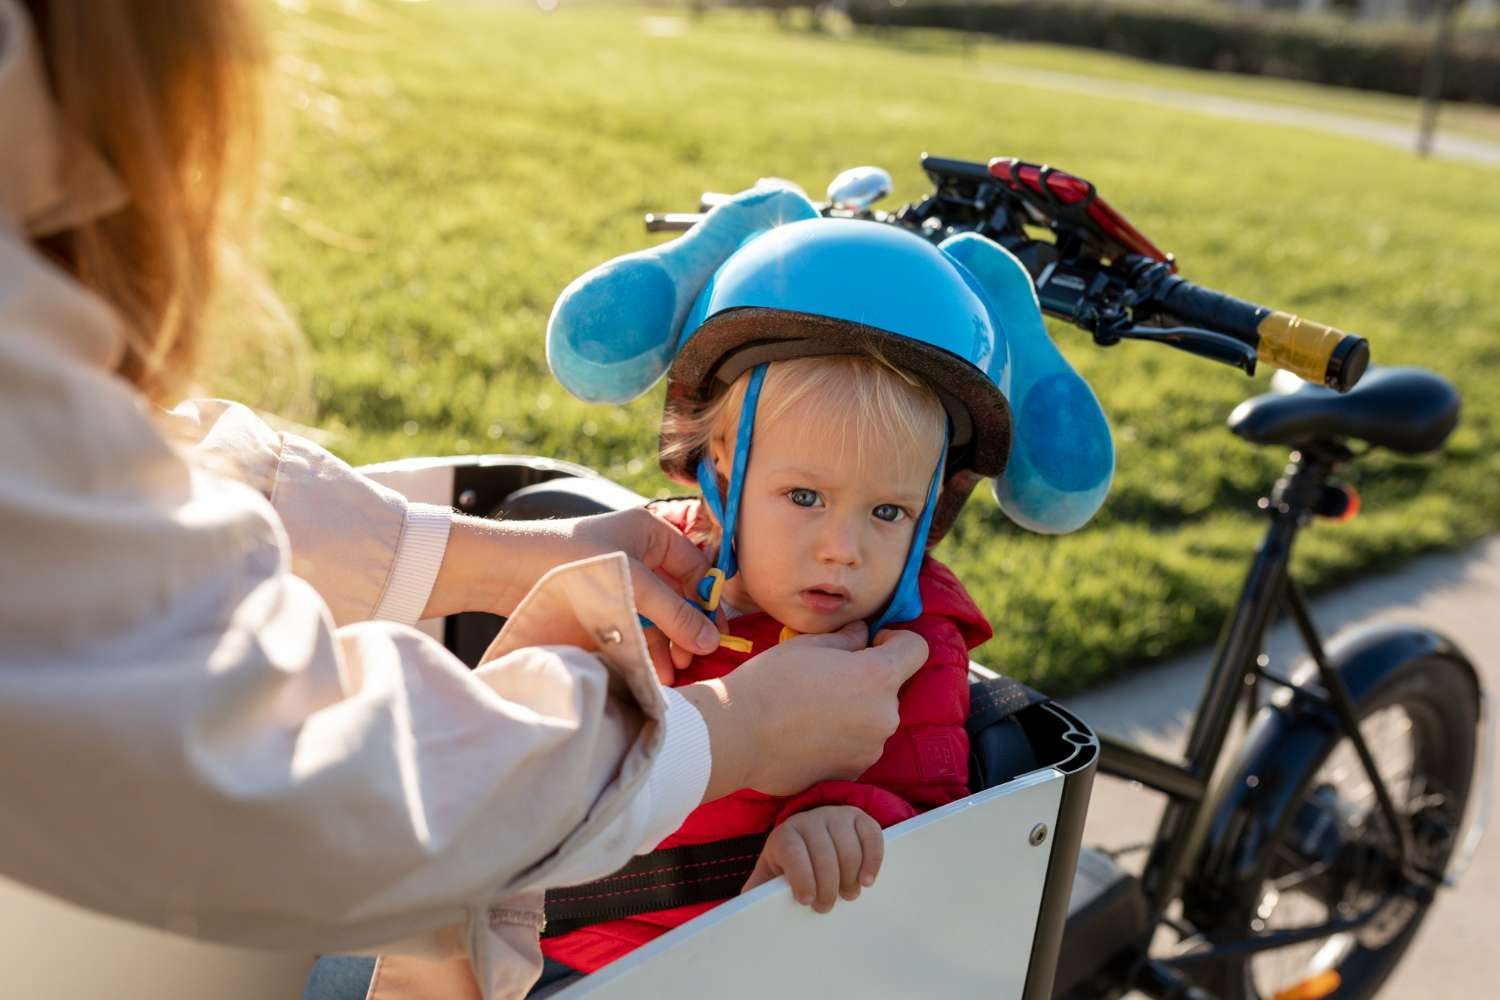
(836, 388)
(836, 483)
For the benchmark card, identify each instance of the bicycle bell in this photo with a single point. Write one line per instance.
(857, 188)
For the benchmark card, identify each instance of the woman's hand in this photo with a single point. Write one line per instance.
(491, 565)
(655, 546)
(824, 853)
(813, 708)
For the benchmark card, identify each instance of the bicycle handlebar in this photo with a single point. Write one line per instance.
(672, 222)
(1099, 272)
(1313, 351)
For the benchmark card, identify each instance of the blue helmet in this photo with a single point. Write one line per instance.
(844, 286)
(765, 278)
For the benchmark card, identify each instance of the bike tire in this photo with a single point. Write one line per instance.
(1438, 695)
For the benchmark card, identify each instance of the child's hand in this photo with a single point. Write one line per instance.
(824, 853)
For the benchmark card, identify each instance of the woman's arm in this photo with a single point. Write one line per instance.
(372, 554)
(491, 565)
(367, 551)
(187, 742)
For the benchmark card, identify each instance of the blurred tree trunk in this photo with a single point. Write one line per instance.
(1432, 77)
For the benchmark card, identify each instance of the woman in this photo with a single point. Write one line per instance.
(213, 716)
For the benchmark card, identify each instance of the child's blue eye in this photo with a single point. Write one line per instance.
(803, 497)
(889, 512)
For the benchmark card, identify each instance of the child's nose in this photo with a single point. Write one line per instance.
(839, 544)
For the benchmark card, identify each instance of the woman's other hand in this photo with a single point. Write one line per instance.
(813, 708)
(491, 565)
(659, 555)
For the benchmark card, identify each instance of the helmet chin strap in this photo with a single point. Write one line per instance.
(905, 603)
(727, 513)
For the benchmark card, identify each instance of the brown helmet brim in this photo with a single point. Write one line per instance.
(737, 340)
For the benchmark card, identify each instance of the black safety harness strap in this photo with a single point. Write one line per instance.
(676, 876)
(996, 699)
(707, 873)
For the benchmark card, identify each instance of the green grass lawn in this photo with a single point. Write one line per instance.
(449, 167)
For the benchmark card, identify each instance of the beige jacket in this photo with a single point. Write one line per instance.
(190, 740)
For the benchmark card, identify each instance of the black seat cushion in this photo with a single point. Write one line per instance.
(1409, 410)
(566, 496)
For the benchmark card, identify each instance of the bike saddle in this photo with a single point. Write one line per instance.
(1410, 410)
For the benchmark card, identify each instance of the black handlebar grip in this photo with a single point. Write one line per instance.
(1313, 351)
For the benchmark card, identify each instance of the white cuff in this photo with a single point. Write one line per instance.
(679, 776)
(424, 539)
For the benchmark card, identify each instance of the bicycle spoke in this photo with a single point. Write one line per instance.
(1294, 879)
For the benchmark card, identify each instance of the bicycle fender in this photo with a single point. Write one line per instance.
(1287, 742)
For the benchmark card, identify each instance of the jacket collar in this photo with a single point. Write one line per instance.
(51, 179)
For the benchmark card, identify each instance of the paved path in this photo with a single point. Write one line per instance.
(1469, 149)
(1458, 594)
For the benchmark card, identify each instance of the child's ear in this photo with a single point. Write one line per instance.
(718, 453)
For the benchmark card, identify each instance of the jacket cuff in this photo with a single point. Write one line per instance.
(679, 775)
(424, 540)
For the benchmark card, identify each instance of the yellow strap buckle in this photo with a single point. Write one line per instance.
(787, 632)
(715, 591)
(737, 643)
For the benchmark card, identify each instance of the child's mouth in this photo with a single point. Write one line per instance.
(824, 600)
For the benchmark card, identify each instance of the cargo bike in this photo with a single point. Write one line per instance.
(1297, 864)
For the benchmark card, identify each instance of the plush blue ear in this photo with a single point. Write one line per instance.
(614, 331)
(1061, 455)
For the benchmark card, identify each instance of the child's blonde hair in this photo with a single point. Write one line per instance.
(860, 391)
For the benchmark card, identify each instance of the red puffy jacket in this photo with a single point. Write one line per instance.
(924, 764)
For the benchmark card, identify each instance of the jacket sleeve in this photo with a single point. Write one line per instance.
(187, 742)
(926, 761)
(882, 805)
(376, 559)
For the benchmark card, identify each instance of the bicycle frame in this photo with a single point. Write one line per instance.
(1238, 667)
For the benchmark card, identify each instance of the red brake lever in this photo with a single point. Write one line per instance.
(1054, 193)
